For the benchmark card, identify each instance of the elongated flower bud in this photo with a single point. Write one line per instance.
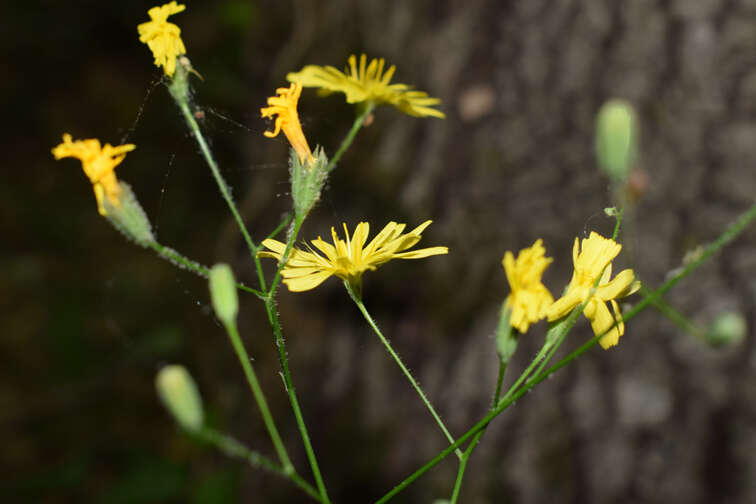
(616, 139)
(223, 293)
(179, 395)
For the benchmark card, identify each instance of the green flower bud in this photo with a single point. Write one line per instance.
(727, 328)
(506, 335)
(128, 217)
(179, 395)
(307, 179)
(616, 138)
(223, 293)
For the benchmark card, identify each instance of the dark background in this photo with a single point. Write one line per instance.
(88, 318)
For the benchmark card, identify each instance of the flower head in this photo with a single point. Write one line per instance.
(529, 299)
(163, 38)
(99, 164)
(284, 105)
(347, 259)
(594, 260)
(368, 82)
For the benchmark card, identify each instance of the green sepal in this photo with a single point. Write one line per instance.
(179, 84)
(506, 335)
(307, 180)
(128, 216)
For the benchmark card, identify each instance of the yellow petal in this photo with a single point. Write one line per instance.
(619, 287)
(563, 306)
(426, 252)
(300, 284)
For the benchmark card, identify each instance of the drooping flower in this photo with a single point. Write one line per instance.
(347, 259)
(99, 163)
(284, 105)
(368, 82)
(593, 260)
(529, 298)
(163, 38)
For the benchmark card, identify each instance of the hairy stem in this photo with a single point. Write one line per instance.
(234, 449)
(356, 298)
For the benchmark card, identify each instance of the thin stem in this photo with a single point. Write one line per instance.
(726, 237)
(359, 121)
(285, 222)
(184, 262)
(474, 442)
(254, 384)
(285, 257)
(234, 449)
(355, 297)
(182, 102)
(680, 320)
(273, 319)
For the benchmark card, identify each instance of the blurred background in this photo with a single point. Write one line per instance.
(88, 318)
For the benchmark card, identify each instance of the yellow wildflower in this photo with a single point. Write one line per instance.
(594, 257)
(163, 38)
(284, 105)
(529, 299)
(348, 259)
(368, 83)
(99, 164)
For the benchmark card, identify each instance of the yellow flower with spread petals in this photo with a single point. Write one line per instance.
(591, 259)
(163, 38)
(368, 82)
(347, 259)
(529, 298)
(99, 164)
(284, 105)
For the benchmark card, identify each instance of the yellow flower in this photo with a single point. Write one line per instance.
(98, 163)
(529, 299)
(596, 255)
(368, 83)
(285, 106)
(348, 259)
(163, 38)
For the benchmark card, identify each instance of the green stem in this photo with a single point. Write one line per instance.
(183, 103)
(273, 319)
(680, 320)
(358, 301)
(254, 384)
(184, 262)
(234, 449)
(476, 439)
(359, 121)
(729, 234)
(285, 257)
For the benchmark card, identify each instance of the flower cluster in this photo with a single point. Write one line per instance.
(530, 301)
(368, 83)
(99, 164)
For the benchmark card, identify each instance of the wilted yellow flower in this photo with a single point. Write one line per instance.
(348, 259)
(163, 38)
(284, 105)
(529, 298)
(594, 257)
(98, 163)
(368, 83)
